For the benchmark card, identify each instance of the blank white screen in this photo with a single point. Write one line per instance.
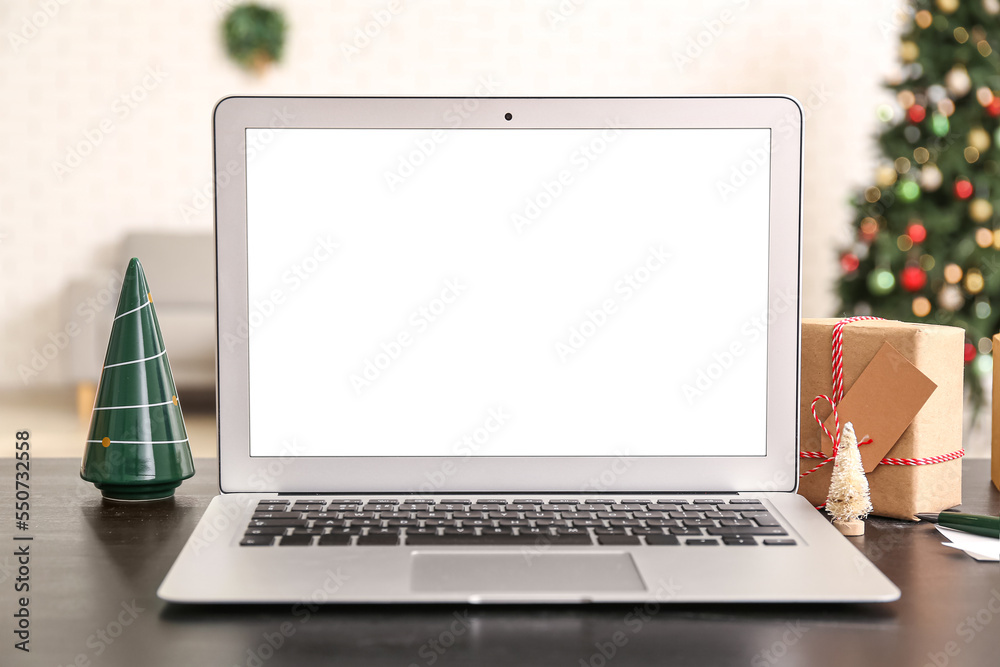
(354, 237)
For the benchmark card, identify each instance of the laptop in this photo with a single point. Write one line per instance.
(511, 350)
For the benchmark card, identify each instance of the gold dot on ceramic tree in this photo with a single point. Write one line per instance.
(974, 281)
(906, 98)
(946, 107)
(984, 48)
(971, 154)
(909, 51)
(872, 194)
(106, 442)
(961, 35)
(904, 242)
(885, 176)
(923, 19)
(921, 306)
(980, 210)
(984, 96)
(921, 155)
(902, 165)
(984, 237)
(927, 262)
(979, 139)
(953, 273)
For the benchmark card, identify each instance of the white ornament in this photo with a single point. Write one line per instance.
(950, 298)
(930, 177)
(957, 81)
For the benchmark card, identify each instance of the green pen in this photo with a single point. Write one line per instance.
(977, 524)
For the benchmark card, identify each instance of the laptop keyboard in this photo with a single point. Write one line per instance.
(342, 522)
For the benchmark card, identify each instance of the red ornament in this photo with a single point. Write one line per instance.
(993, 108)
(917, 232)
(963, 189)
(970, 352)
(916, 113)
(849, 262)
(913, 279)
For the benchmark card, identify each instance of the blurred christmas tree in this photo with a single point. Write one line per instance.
(927, 244)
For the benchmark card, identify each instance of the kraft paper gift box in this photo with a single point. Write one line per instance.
(909, 403)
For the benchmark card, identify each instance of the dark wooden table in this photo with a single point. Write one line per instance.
(95, 567)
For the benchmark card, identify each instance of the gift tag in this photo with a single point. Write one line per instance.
(882, 403)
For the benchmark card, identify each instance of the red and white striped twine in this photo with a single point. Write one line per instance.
(838, 394)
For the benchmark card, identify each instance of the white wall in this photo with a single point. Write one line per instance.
(65, 79)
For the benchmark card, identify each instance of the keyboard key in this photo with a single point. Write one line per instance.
(663, 522)
(617, 507)
(276, 515)
(614, 530)
(395, 515)
(514, 522)
(586, 523)
(378, 540)
(321, 515)
(722, 515)
(685, 531)
(739, 508)
(739, 541)
(619, 540)
(625, 522)
(702, 543)
(257, 541)
(379, 507)
(779, 543)
(439, 522)
(744, 501)
(640, 501)
(386, 501)
(335, 540)
(599, 501)
(578, 515)
(410, 507)
(648, 515)
(643, 530)
(366, 522)
(346, 530)
(276, 501)
(357, 515)
(662, 540)
(747, 530)
(296, 541)
(697, 523)
(266, 530)
(346, 501)
(690, 507)
(736, 522)
(307, 531)
(326, 523)
(497, 530)
(708, 501)
(614, 515)
(528, 501)
(558, 507)
(659, 507)
(588, 507)
(285, 523)
(469, 515)
(521, 507)
(403, 522)
(562, 501)
(449, 507)
(761, 518)
(684, 515)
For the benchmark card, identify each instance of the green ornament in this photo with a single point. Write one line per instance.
(940, 124)
(881, 281)
(908, 191)
(137, 446)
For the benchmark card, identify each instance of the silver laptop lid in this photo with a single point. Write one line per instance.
(547, 294)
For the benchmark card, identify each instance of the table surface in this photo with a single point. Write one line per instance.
(95, 567)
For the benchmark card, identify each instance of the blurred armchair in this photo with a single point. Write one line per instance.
(181, 273)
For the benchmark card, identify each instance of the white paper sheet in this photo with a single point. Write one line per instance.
(977, 546)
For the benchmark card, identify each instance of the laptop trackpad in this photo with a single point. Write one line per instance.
(523, 572)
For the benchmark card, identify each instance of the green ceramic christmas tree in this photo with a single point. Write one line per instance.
(137, 448)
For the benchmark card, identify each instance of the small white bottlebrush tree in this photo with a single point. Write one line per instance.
(848, 501)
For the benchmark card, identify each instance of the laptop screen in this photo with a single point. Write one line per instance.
(516, 292)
